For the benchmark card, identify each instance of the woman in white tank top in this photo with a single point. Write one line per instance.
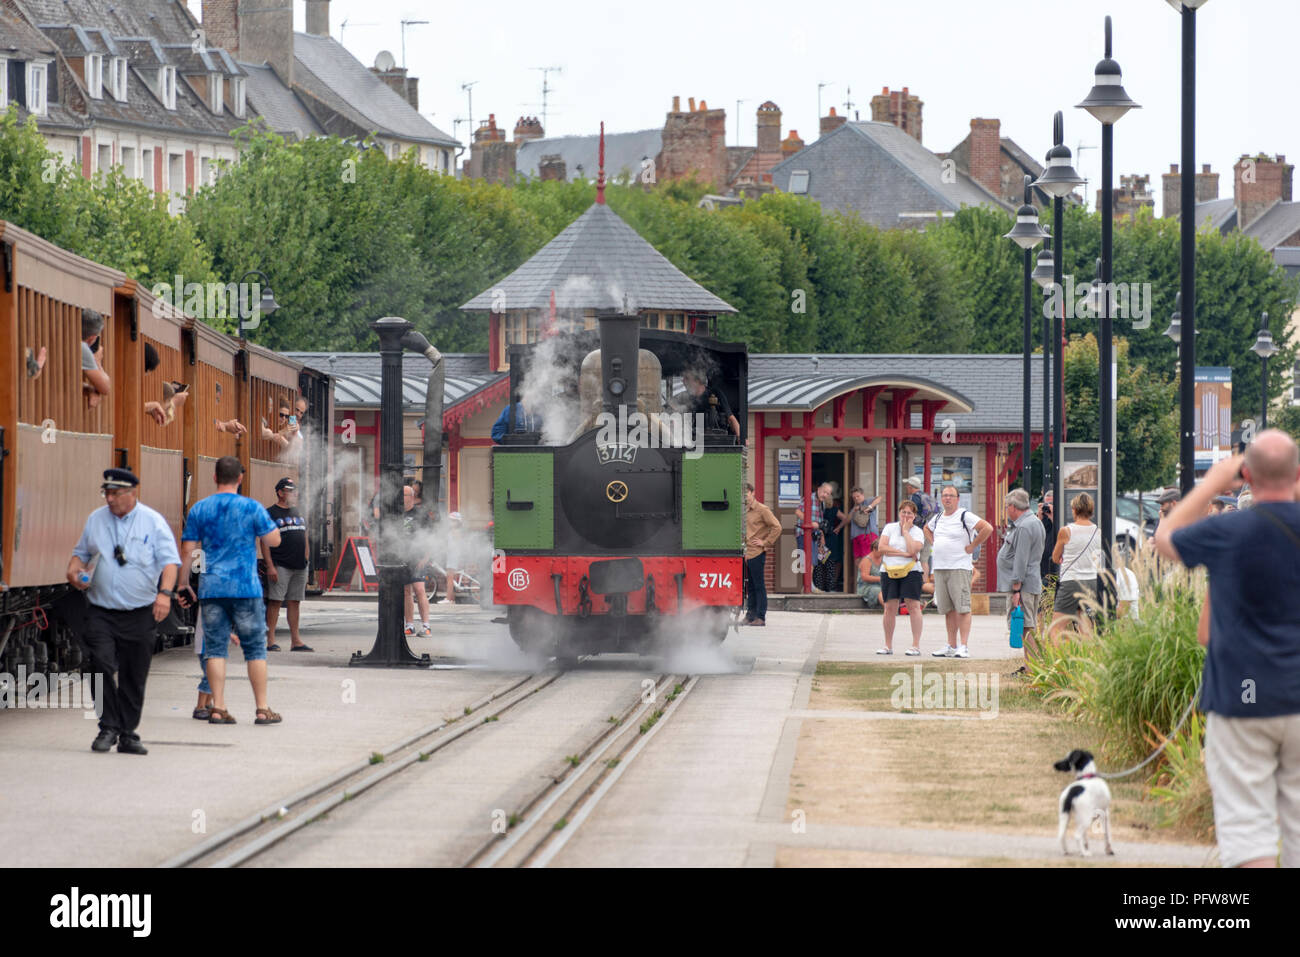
(1078, 552)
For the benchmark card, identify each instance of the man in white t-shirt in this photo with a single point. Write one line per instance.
(1126, 592)
(955, 533)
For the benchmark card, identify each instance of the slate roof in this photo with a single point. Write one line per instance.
(1222, 214)
(882, 173)
(990, 384)
(1276, 226)
(328, 72)
(149, 33)
(277, 104)
(1288, 257)
(623, 151)
(357, 377)
(596, 261)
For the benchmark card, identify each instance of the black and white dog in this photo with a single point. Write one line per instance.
(1088, 797)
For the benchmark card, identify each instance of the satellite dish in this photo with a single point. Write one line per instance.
(384, 61)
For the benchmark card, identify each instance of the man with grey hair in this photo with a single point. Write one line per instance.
(1018, 566)
(955, 534)
(1250, 692)
(97, 382)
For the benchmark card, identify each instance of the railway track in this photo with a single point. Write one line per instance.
(531, 835)
(558, 809)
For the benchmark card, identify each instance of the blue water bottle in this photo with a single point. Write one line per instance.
(1017, 627)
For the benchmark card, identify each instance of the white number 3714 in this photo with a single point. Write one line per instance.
(715, 580)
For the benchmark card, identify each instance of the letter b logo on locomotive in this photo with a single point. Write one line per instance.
(518, 579)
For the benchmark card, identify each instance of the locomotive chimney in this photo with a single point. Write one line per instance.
(620, 343)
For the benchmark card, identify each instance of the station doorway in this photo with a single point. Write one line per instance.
(836, 468)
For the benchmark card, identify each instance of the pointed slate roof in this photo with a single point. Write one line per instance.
(593, 264)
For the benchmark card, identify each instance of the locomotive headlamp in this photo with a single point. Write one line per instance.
(617, 386)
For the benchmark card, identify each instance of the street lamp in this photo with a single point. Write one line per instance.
(1108, 102)
(1187, 248)
(1264, 347)
(266, 304)
(1059, 180)
(1027, 234)
(1175, 330)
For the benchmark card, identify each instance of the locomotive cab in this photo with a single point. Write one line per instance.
(623, 512)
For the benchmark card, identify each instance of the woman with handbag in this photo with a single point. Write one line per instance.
(900, 545)
(1078, 553)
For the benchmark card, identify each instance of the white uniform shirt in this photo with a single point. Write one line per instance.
(1126, 589)
(893, 536)
(951, 539)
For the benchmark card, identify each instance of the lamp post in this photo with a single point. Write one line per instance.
(1108, 102)
(390, 648)
(266, 303)
(1059, 180)
(1264, 347)
(1045, 275)
(1187, 250)
(1027, 234)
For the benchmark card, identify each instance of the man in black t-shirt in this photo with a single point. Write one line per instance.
(286, 565)
(717, 415)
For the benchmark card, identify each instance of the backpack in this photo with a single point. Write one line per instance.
(928, 506)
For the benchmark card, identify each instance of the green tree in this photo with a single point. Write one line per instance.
(1146, 435)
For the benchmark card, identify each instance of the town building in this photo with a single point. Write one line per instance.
(146, 86)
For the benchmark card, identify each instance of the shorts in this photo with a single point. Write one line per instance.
(246, 617)
(907, 588)
(413, 575)
(1253, 765)
(1070, 594)
(1029, 603)
(290, 584)
(952, 590)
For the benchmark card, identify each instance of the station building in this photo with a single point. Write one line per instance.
(869, 420)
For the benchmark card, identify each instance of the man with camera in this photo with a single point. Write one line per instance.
(1046, 566)
(129, 591)
(1250, 691)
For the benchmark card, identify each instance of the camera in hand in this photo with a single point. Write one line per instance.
(120, 554)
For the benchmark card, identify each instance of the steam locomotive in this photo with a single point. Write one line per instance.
(54, 443)
(629, 529)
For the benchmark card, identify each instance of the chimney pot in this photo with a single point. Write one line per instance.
(691, 102)
(1205, 167)
(703, 106)
(1173, 168)
(677, 104)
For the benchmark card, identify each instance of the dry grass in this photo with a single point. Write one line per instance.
(989, 775)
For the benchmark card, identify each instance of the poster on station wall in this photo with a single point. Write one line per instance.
(1212, 431)
(959, 471)
(932, 487)
(789, 477)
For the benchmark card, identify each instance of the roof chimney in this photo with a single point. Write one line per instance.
(690, 100)
(768, 118)
(1258, 184)
(266, 36)
(318, 18)
(831, 122)
(985, 159)
(677, 104)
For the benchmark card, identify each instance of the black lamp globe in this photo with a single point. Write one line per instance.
(1107, 101)
(1175, 330)
(1026, 233)
(1045, 271)
(1264, 346)
(1060, 178)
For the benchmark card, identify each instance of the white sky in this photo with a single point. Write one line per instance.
(1014, 60)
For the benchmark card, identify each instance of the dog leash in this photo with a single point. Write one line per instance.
(1156, 753)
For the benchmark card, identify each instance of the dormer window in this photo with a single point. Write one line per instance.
(36, 88)
(216, 92)
(95, 75)
(237, 95)
(117, 78)
(167, 86)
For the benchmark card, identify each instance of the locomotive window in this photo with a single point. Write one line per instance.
(674, 321)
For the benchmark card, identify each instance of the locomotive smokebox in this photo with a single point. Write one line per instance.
(620, 342)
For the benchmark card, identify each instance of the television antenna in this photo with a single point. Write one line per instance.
(738, 102)
(349, 23)
(405, 24)
(1078, 154)
(469, 92)
(819, 100)
(546, 72)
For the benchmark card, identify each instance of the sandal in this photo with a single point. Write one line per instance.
(267, 716)
(202, 714)
(221, 716)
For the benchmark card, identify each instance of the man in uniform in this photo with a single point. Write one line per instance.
(124, 551)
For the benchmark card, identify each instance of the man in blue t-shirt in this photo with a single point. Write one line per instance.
(220, 541)
(1251, 684)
